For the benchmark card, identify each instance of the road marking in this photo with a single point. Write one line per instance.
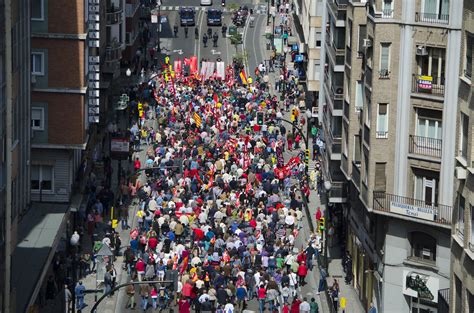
(199, 39)
(179, 51)
(244, 37)
(214, 52)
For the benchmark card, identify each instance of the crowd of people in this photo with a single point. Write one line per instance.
(220, 210)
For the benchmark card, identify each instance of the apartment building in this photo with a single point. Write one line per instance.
(309, 14)
(59, 56)
(389, 118)
(462, 243)
(14, 131)
(113, 46)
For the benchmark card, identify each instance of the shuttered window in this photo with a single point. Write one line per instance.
(380, 180)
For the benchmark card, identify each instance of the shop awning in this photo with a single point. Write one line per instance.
(38, 238)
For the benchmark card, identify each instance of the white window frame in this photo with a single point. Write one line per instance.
(389, 45)
(391, 8)
(41, 54)
(42, 13)
(460, 220)
(378, 130)
(438, 12)
(461, 141)
(41, 127)
(40, 179)
(467, 36)
(438, 123)
(433, 56)
(425, 184)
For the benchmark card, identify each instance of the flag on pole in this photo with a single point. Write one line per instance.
(243, 77)
(197, 119)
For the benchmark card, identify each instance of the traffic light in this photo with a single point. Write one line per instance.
(260, 120)
(321, 225)
(306, 160)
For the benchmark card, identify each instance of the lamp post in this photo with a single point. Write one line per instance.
(128, 72)
(327, 188)
(273, 28)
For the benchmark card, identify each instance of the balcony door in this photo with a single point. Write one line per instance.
(425, 190)
(435, 10)
(429, 128)
(433, 65)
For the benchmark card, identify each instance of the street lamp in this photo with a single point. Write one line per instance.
(128, 72)
(273, 28)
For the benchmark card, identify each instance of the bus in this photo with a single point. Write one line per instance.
(187, 16)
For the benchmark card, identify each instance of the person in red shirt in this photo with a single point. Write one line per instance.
(302, 272)
(295, 305)
(318, 214)
(140, 267)
(184, 306)
(137, 164)
(152, 243)
(262, 295)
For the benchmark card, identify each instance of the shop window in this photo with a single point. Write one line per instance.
(423, 247)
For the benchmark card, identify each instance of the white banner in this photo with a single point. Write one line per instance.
(210, 69)
(203, 69)
(220, 70)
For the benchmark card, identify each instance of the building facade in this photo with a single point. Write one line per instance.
(67, 55)
(14, 131)
(310, 16)
(462, 249)
(389, 120)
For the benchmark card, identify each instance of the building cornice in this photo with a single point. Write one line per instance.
(82, 36)
(81, 90)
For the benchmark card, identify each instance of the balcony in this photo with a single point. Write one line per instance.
(432, 18)
(336, 54)
(338, 8)
(384, 74)
(366, 135)
(424, 84)
(364, 193)
(387, 13)
(368, 76)
(338, 192)
(337, 97)
(468, 72)
(345, 110)
(355, 174)
(113, 53)
(344, 165)
(348, 58)
(425, 146)
(412, 208)
(114, 15)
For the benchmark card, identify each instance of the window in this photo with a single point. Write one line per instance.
(349, 33)
(432, 64)
(426, 190)
(387, 8)
(471, 244)
(423, 247)
(42, 177)
(384, 60)
(382, 121)
(37, 118)
(463, 136)
(469, 54)
(37, 10)
(368, 115)
(460, 219)
(359, 103)
(362, 36)
(380, 177)
(318, 39)
(435, 11)
(37, 63)
(317, 70)
(429, 128)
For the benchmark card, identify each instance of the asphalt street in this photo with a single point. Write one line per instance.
(252, 48)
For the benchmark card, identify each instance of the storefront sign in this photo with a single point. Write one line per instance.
(299, 58)
(93, 61)
(119, 147)
(424, 213)
(425, 82)
(420, 286)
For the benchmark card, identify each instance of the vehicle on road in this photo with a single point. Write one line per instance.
(187, 16)
(214, 17)
(206, 2)
(240, 16)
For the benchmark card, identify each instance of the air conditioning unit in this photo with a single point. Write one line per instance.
(461, 172)
(421, 50)
(367, 43)
(339, 90)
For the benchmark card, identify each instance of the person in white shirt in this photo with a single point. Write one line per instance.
(304, 306)
(293, 283)
(229, 308)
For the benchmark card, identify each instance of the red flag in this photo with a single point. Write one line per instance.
(215, 98)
